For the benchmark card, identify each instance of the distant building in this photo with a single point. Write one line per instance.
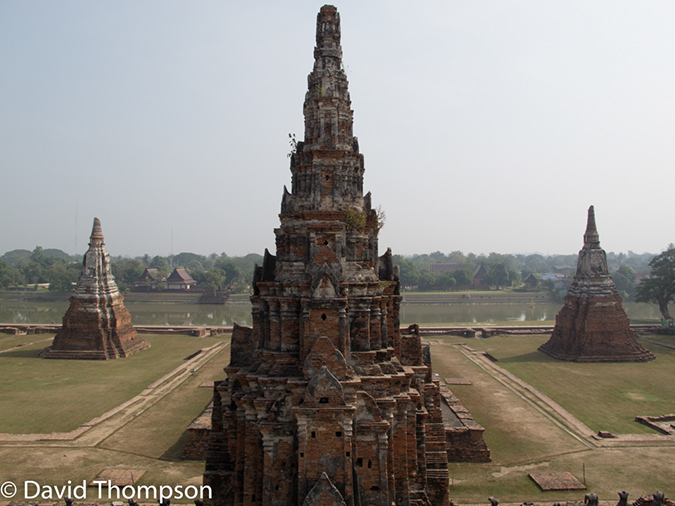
(558, 279)
(441, 268)
(479, 277)
(148, 281)
(180, 279)
(530, 281)
(564, 269)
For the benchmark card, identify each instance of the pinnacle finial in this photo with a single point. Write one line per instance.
(328, 28)
(96, 232)
(591, 237)
(328, 52)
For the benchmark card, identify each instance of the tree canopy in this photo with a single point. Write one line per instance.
(624, 279)
(659, 287)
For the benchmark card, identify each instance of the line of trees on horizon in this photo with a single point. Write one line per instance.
(215, 272)
(643, 277)
(507, 270)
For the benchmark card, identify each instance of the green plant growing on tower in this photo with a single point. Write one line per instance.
(294, 145)
(355, 219)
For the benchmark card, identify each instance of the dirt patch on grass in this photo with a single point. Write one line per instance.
(637, 397)
(506, 470)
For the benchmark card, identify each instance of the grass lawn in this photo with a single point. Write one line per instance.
(60, 395)
(56, 395)
(55, 466)
(603, 396)
(662, 338)
(515, 433)
(640, 471)
(504, 323)
(162, 430)
(524, 440)
(8, 341)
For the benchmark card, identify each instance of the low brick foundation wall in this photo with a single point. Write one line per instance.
(464, 437)
(198, 434)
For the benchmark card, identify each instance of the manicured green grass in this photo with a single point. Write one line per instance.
(605, 396)
(60, 395)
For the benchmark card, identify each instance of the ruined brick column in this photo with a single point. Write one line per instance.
(592, 326)
(96, 325)
(336, 399)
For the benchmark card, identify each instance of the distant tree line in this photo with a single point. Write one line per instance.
(505, 270)
(213, 272)
(501, 270)
(20, 268)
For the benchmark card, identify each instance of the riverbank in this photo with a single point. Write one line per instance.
(471, 297)
(468, 297)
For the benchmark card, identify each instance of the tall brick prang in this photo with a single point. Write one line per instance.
(592, 326)
(326, 401)
(96, 325)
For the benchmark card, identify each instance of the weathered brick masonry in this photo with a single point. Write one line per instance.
(464, 437)
(96, 325)
(592, 326)
(326, 401)
(198, 436)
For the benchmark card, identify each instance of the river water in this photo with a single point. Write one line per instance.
(143, 313)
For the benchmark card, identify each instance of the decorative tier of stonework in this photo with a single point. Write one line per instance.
(592, 325)
(97, 325)
(326, 401)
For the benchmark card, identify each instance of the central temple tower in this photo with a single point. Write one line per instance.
(326, 401)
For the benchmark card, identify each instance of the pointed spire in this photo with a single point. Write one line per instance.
(328, 36)
(591, 237)
(96, 232)
(328, 114)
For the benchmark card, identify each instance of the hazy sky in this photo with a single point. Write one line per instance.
(485, 125)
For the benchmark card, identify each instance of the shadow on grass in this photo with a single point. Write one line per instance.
(175, 452)
(31, 353)
(533, 356)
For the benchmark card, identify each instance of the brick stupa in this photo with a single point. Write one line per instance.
(592, 326)
(326, 401)
(97, 325)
